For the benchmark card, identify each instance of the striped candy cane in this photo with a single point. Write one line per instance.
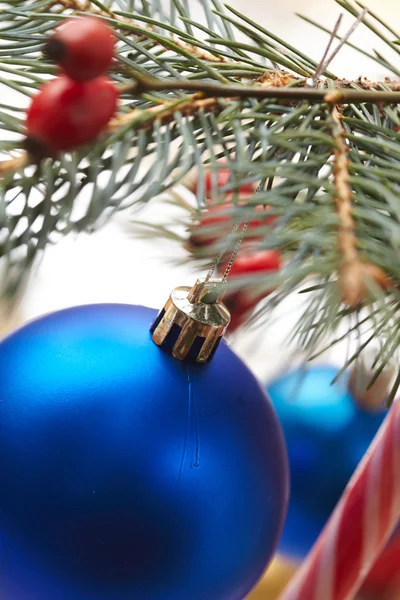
(360, 525)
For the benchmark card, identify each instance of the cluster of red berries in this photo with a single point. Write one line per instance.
(215, 224)
(75, 107)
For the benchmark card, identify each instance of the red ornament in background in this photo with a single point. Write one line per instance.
(249, 261)
(83, 47)
(216, 223)
(214, 182)
(66, 114)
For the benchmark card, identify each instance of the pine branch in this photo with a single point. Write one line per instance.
(353, 272)
(211, 92)
(326, 155)
(294, 94)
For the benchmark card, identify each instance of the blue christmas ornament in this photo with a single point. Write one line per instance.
(126, 474)
(326, 434)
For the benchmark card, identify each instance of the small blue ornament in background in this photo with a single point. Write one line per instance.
(128, 475)
(326, 435)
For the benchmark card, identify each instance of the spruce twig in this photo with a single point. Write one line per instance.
(211, 92)
(192, 94)
(353, 272)
(295, 94)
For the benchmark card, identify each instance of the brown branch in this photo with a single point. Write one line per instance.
(340, 95)
(353, 272)
(145, 118)
(367, 84)
(164, 113)
(273, 84)
(13, 164)
(282, 78)
(276, 79)
(201, 53)
(343, 194)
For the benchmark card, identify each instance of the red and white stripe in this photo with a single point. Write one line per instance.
(360, 525)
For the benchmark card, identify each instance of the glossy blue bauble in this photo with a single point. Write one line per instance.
(326, 434)
(126, 474)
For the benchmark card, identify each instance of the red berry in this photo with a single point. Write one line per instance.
(216, 223)
(213, 182)
(84, 47)
(66, 114)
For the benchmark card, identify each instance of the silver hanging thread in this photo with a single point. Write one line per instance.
(235, 250)
(194, 320)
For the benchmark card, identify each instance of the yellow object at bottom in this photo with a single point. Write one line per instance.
(278, 575)
(274, 581)
(8, 320)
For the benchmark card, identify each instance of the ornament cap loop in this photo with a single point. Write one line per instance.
(193, 321)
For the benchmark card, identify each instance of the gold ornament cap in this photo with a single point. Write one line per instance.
(193, 321)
